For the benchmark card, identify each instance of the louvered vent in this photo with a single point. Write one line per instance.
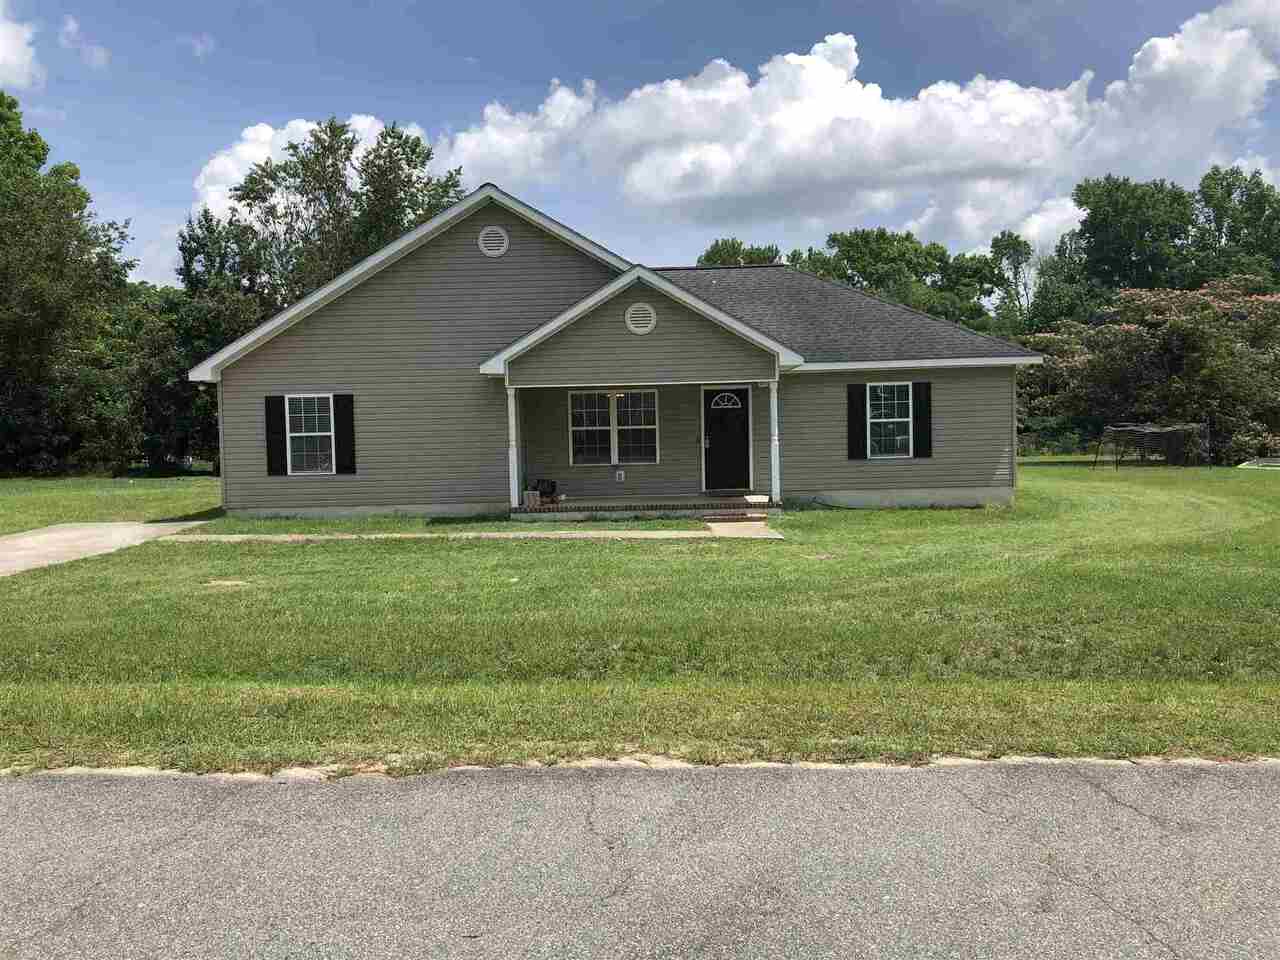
(641, 318)
(493, 241)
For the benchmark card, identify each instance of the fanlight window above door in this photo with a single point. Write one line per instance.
(726, 401)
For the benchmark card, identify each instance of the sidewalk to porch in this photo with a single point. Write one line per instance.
(751, 506)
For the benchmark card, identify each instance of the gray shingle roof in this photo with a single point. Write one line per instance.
(829, 322)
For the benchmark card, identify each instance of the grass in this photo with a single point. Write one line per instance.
(26, 504)
(1111, 613)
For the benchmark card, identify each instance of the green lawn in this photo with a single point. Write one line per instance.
(26, 504)
(1112, 613)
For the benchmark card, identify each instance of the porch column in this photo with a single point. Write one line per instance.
(513, 448)
(775, 462)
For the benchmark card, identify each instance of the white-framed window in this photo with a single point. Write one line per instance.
(309, 427)
(613, 428)
(889, 421)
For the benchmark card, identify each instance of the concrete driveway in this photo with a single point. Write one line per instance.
(72, 541)
(1007, 861)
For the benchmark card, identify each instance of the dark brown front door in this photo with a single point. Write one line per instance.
(726, 438)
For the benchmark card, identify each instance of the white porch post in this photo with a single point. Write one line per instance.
(775, 462)
(513, 448)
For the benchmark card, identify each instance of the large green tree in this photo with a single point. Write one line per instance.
(1236, 228)
(1136, 234)
(324, 207)
(60, 269)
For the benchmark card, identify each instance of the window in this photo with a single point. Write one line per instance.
(637, 421)
(309, 422)
(613, 428)
(888, 420)
(590, 428)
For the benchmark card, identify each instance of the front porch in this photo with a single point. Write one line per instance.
(749, 506)
(663, 449)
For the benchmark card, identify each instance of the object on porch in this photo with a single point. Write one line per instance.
(1177, 443)
(544, 494)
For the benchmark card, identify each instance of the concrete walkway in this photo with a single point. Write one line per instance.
(714, 531)
(72, 541)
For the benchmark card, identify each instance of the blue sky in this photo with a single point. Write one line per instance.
(665, 148)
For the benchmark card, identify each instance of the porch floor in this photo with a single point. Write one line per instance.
(689, 505)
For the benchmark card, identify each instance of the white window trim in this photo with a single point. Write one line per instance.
(909, 418)
(289, 435)
(614, 427)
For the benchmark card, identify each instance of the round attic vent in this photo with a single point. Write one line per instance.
(493, 241)
(640, 318)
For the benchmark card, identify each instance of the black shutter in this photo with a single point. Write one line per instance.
(922, 418)
(344, 432)
(277, 464)
(857, 421)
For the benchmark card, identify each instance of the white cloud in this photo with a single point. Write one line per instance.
(70, 37)
(806, 146)
(158, 257)
(807, 137)
(201, 44)
(1049, 221)
(20, 69)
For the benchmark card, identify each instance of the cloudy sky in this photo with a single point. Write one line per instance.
(656, 125)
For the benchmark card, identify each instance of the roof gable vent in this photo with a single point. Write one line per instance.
(493, 241)
(640, 318)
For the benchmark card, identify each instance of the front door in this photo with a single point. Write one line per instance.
(726, 438)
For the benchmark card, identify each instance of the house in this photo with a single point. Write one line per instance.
(493, 347)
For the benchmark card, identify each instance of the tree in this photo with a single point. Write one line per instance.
(60, 268)
(732, 252)
(1205, 356)
(1063, 288)
(219, 255)
(1012, 256)
(818, 262)
(1136, 235)
(1236, 229)
(900, 267)
(327, 206)
(168, 332)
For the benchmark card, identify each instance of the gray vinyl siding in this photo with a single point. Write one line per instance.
(973, 433)
(684, 347)
(408, 343)
(544, 415)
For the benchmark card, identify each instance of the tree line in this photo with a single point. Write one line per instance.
(1161, 306)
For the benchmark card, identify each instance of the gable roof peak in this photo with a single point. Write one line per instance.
(210, 370)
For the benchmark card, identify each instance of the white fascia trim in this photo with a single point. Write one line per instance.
(210, 370)
(496, 366)
(919, 364)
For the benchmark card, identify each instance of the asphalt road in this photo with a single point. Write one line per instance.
(1044, 861)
